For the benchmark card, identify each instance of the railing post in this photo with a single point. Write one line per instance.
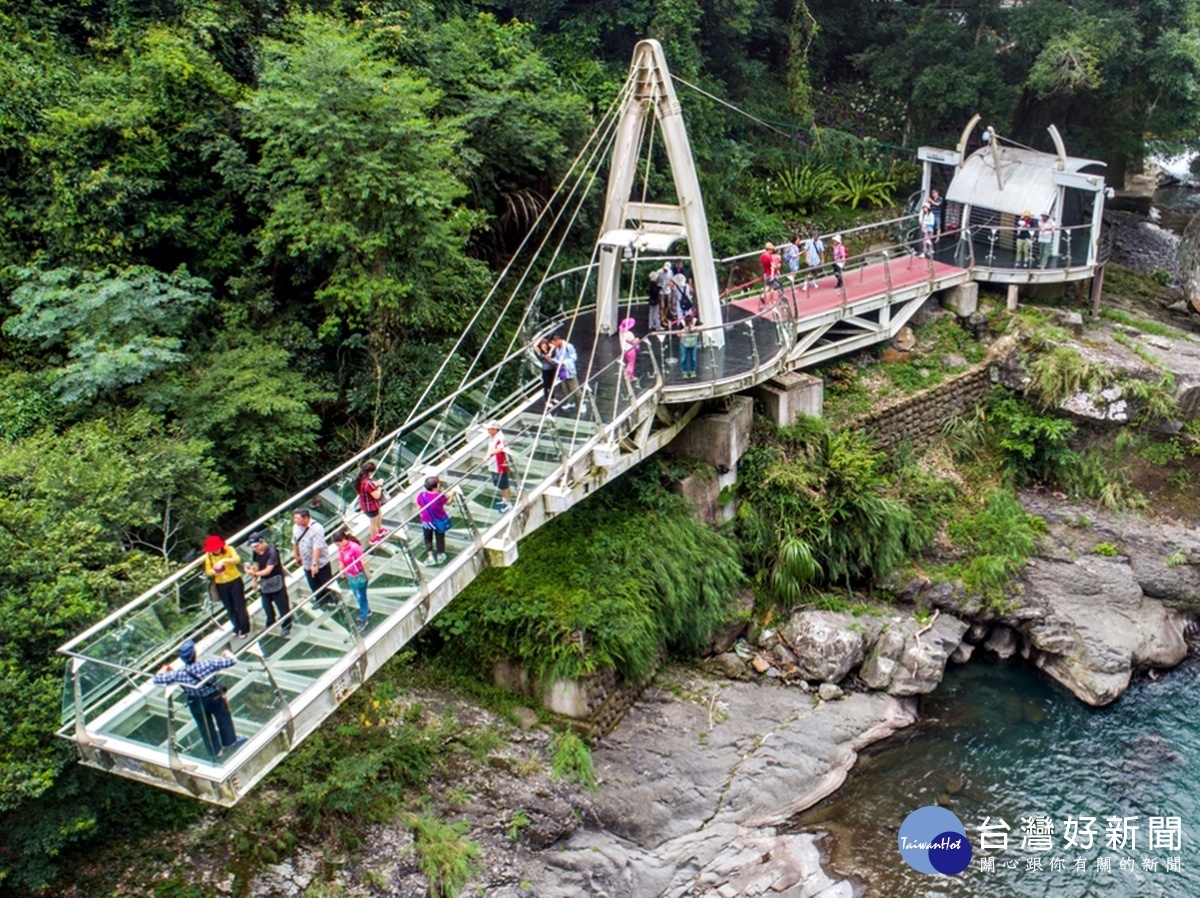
(465, 508)
(658, 371)
(753, 345)
(290, 726)
(963, 255)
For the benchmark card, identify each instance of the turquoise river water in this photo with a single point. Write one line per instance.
(1000, 742)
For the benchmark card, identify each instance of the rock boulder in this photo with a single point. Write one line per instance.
(905, 661)
(1098, 626)
(827, 645)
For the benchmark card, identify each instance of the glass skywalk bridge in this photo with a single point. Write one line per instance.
(283, 687)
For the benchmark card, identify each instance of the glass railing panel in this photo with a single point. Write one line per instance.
(150, 629)
(101, 687)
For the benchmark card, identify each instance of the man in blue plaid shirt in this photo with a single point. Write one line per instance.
(205, 697)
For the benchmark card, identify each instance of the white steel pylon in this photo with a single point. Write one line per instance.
(631, 225)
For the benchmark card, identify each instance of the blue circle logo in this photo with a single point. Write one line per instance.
(933, 840)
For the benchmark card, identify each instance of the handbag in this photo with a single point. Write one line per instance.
(357, 581)
(274, 583)
(441, 525)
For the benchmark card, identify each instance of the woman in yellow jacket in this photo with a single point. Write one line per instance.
(221, 563)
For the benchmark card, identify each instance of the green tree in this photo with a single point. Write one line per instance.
(118, 164)
(1114, 74)
(89, 518)
(115, 329)
(256, 409)
(356, 183)
(519, 122)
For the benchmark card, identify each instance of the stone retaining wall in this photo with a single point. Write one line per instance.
(919, 419)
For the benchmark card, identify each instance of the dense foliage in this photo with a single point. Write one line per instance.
(624, 574)
(820, 507)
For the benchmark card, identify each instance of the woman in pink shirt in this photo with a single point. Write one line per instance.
(352, 565)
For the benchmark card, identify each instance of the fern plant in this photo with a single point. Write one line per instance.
(799, 189)
(864, 186)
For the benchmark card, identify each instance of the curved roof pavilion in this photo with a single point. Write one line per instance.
(993, 187)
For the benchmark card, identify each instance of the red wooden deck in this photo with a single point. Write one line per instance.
(861, 283)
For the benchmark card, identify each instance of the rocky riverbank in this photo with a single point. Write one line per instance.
(693, 787)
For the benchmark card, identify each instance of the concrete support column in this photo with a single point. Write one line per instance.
(963, 300)
(720, 438)
(789, 395)
(1014, 292)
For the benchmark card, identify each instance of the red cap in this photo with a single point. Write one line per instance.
(214, 544)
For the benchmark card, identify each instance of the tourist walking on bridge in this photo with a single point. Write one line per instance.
(497, 457)
(311, 552)
(839, 259)
(435, 520)
(935, 206)
(544, 353)
(791, 257)
(221, 564)
(1025, 240)
(205, 696)
(267, 571)
(1046, 229)
(770, 262)
(663, 280)
(928, 224)
(370, 501)
(567, 359)
(629, 348)
(814, 255)
(689, 348)
(352, 565)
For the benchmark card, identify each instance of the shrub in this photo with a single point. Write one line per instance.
(863, 186)
(609, 584)
(446, 857)
(1034, 446)
(999, 540)
(572, 759)
(818, 508)
(799, 189)
(1062, 372)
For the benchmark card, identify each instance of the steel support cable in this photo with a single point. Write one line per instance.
(645, 190)
(640, 140)
(594, 174)
(609, 140)
(516, 254)
(726, 103)
(609, 124)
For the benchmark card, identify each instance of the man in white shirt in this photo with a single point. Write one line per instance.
(498, 465)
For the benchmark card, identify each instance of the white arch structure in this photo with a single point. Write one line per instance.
(633, 226)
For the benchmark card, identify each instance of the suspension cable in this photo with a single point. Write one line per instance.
(516, 254)
(726, 103)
